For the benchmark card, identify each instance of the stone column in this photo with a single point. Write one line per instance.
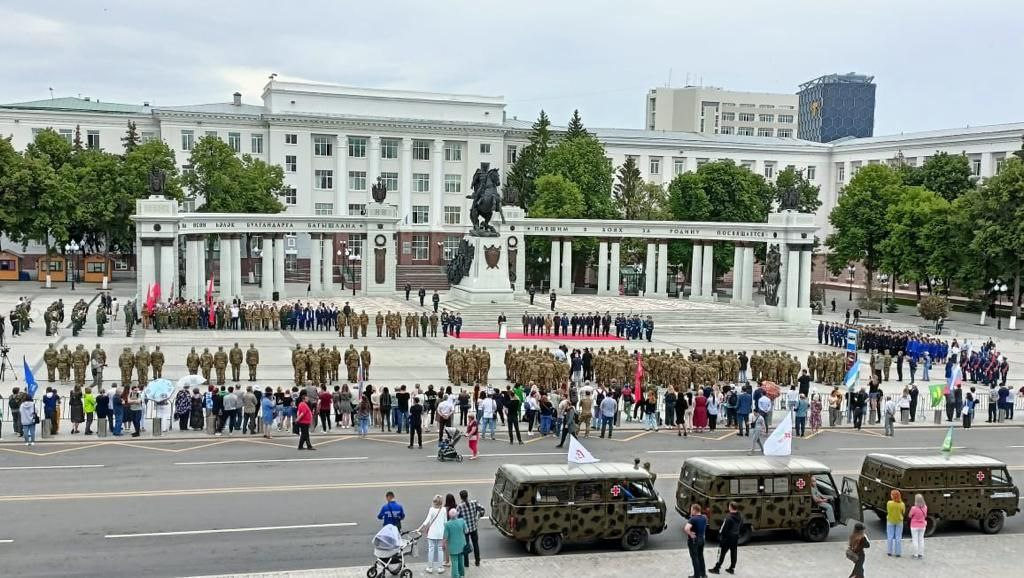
(373, 164)
(279, 266)
(650, 273)
(793, 278)
(437, 183)
(695, 269)
(340, 177)
(662, 288)
(191, 274)
(707, 271)
(805, 279)
(747, 287)
(556, 265)
(567, 266)
(199, 265)
(783, 271)
(168, 270)
(521, 285)
(147, 267)
(405, 180)
(315, 250)
(614, 274)
(236, 265)
(602, 267)
(737, 273)
(225, 268)
(987, 168)
(267, 265)
(328, 266)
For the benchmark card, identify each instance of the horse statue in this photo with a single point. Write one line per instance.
(771, 276)
(486, 201)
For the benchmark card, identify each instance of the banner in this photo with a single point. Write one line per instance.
(30, 380)
(852, 376)
(935, 392)
(955, 379)
(780, 443)
(638, 378)
(947, 444)
(579, 454)
(209, 300)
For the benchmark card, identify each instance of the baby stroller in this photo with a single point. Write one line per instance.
(446, 448)
(390, 548)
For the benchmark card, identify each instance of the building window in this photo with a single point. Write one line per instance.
(323, 178)
(291, 262)
(390, 181)
(290, 196)
(485, 148)
(421, 182)
(726, 130)
(765, 132)
(453, 183)
(121, 264)
(746, 105)
(96, 267)
(784, 133)
(450, 247)
(766, 106)
(257, 144)
(323, 208)
(211, 133)
(355, 209)
(92, 139)
(291, 138)
(746, 117)
(678, 166)
(421, 150)
(420, 248)
(655, 166)
(453, 152)
(147, 136)
(188, 205)
(766, 118)
(769, 170)
(728, 116)
(186, 170)
(812, 171)
(452, 215)
(745, 131)
(235, 141)
(188, 140)
(323, 146)
(291, 163)
(749, 165)
(389, 148)
(1000, 163)
(510, 154)
(702, 162)
(840, 172)
(357, 147)
(357, 180)
(420, 214)
(786, 118)
(976, 167)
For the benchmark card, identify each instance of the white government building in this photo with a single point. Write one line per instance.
(334, 141)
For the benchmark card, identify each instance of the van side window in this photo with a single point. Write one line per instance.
(1000, 477)
(589, 492)
(554, 494)
(743, 486)
(777, 486)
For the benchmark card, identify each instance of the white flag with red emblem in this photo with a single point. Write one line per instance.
(780, 443)
(579, 454)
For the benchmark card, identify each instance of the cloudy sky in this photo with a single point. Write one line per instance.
(937, 63)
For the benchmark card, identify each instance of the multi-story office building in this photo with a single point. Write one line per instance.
(837, 106)
(710, 110)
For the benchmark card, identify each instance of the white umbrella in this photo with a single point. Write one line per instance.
(191, 381)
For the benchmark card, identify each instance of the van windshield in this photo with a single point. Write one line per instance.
(632, 490)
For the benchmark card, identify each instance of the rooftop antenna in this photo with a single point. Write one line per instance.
(51, 93)
(687, 79)
(669, 84)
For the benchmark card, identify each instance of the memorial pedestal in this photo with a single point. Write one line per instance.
(487, 280)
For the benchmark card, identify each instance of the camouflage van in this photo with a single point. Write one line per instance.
(773, 493)
(545, 506)
(958, 487)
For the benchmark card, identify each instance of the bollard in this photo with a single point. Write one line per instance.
(938, 416)
(156, 426)
(101, 427)
(211, 424)
(44, 428)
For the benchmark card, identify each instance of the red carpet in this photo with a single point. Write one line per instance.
(553, 337)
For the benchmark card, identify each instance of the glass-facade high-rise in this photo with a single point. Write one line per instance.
(836, 106)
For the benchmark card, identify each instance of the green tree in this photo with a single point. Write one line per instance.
(556, 198)
(628, 191)
(946, 174)
(130, 140)
(51, 148)
(76, 142)
(229, 184)
(997, 211)
(859, 220)
(791, 179)
(575, 128)
(38, 203)
(906, 249)
(521, 175)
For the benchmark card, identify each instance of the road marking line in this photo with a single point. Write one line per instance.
(266, 461)
(9, 468)
(689, 451)
(230, 530)
(6, 541)
(890, 449)
(634, 436)
(522, 454)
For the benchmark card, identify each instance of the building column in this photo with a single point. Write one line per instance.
(987, 167)
(405, 181)
(615, 273)
(437, 184)
(192, 275)
(793, 278)
(662, 288)
(602, 267)
(315, 250)
(805, 279)
(225, 268)
(236, 265)
(341, 177)
(747, 286)
(199, 265)
(521, 285)
(695, 269)
(267, 268)
(146, 267)
(650, 266)
(567, 266)
(168, 271)
(707, 271)
(279, 266)
(737, 273)
(373, 163)
(327, 266)
(556, 264)
(783, 271)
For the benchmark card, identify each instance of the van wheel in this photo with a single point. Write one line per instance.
(547, 545)
(406, 573)
(993, 522)
(745, 534)
(931, 523)
(634, 539)
(816, 530)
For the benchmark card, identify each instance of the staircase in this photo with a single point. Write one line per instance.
(429, 277)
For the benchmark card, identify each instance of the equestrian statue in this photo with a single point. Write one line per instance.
(486, 201)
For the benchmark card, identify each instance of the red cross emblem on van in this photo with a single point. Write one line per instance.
(981, 476)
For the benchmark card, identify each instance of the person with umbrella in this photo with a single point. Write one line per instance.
(159, 391)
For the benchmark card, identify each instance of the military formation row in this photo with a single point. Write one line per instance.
(539, 366)
(60, 362)
(467, 366)
(321, 366)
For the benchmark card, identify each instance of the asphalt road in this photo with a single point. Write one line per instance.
(200, 507)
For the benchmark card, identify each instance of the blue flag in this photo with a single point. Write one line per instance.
(852, 376)
(30, 380)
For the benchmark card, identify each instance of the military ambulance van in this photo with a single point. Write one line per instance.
(773, 493)
(956, 488)
(546, 506)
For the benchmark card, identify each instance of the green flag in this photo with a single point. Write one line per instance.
(935, 391)
(947, 444)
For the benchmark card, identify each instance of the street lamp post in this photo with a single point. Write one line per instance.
(257, 273)
(850, 272)
(72, 248)
(341, 263)
(883, 280)
(356, 260)
(999, 289)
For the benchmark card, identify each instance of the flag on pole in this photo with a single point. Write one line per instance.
(638, 377)
(30, 380)
(149, 299)
(936, 391)
(955, 378)
(209, 299)
(947, 444)
(579, 454)
(780, 443)
(852, 376)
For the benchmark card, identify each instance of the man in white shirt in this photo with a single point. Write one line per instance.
(889, 416)
(764, 407)
(486, 407)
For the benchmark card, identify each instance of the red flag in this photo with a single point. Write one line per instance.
(156, 293)
(149, 299)
(639, 376)
(209, 298)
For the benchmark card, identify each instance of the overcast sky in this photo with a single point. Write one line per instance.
(937, 63)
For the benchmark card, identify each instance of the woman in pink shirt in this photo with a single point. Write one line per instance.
(473, 435)
(918, 522)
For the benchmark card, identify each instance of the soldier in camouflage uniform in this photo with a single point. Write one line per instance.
(364, 322)
(252, 360)
(353, 325)
(299, 366)
(100, 357)
(79, 361)
(142, 362)
(126, 362)
(335, 356)
(235, 359)
(220, 364)
(313, 365)
(379, 322)
(50, 358)
(156, 359)
(365, 357)
(325, 364)
(206, 364)
(192, 362)
(352, 363)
